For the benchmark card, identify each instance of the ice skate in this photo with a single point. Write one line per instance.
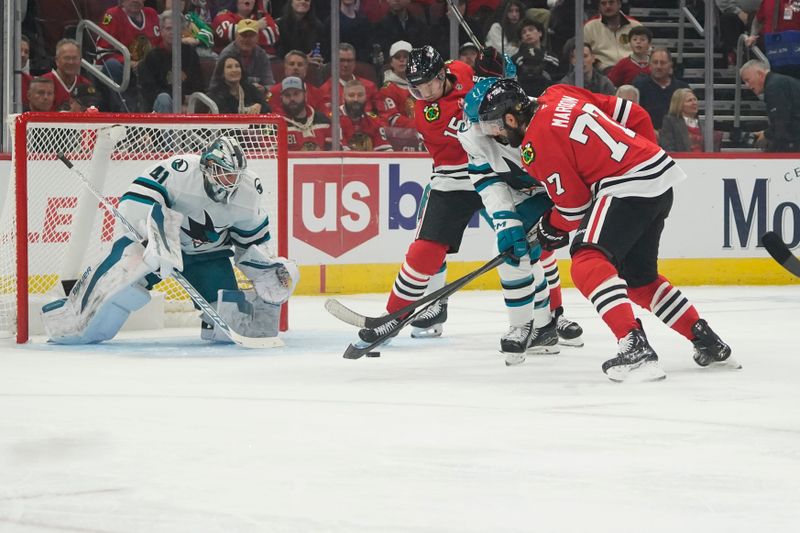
(569, 332)
(544, 340)
(430, 323)
(709, 349)
(635, 360)
(370, 335)
(514, 343)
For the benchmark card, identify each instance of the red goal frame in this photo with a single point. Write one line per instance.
(20, 167)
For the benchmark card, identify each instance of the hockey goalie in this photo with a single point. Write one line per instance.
(193, 213)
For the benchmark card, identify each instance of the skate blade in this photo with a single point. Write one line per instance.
(427, 333)
(513, 358)
(577, 342)
(543, 350)
(728, 364)
(641, 373)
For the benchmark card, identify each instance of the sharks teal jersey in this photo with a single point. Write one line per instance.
(207, 226)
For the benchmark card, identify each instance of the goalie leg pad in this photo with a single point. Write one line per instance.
(246, 314)
(64, 325)
(110, 287)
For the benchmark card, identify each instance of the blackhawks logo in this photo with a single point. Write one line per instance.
(107, 19)
(432, 112)
(528, 154)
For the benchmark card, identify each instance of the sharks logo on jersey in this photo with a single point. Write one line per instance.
(201, 233)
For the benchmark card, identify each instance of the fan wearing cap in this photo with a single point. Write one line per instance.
(254, 59)
(394, 103)
(295, 63)
(224, 25)
(347, 67)
(66, 76)
(361, 130)
(307, 129)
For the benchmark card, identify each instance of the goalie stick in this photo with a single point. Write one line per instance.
(345, 314)
(780, 252)
(202, 303)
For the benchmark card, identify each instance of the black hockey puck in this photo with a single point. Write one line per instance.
(373, 354)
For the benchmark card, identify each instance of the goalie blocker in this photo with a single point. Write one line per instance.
(102, 300)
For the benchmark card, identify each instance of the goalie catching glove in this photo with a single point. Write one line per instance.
(274, 278)
(550, 237)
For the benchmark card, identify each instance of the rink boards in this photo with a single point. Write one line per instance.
(352, 216)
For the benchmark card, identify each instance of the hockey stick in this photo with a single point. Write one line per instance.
(460, 18)
(359, 349)
(780, 252)
(345, 314)
(202, 303)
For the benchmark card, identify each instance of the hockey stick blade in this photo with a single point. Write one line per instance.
(197, 298)
(780, 252)
(347, 315)
(359, 349)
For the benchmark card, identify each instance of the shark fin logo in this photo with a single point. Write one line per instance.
(201, 233)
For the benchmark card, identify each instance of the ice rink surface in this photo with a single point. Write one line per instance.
(167, 434)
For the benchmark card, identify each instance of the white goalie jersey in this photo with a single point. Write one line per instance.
(207, 226)
(495, 172)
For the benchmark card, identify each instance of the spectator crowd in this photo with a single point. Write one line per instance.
(257, 56)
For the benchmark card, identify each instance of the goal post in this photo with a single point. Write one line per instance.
(65, 229)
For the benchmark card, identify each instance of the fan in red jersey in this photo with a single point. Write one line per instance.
(438, 114)
(615, 188)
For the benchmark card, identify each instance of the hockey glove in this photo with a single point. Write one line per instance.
(510, 235)
(550, 237)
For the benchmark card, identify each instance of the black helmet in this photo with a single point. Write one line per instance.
(505, 96)
(424, 64)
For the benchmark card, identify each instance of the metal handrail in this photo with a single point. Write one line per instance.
(737, 92)
(203, 98)
(88, 25)
(685, 14)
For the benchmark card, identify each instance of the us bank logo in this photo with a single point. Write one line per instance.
(334, 206)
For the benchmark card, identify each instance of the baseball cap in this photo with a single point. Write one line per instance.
(466, 46)
(246, 25)
(400, 46)
(292, 82)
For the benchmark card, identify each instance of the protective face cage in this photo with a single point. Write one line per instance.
(417, 93)
(223, 166)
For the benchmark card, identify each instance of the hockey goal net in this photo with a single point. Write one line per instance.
(68, 229)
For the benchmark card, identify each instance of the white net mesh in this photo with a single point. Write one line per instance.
(68, 228)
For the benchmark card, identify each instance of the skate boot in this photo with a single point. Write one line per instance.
(430, 322)
(709, 349)
(514, 343)
(370, 335)
(635, 360)
(569, 332)
(545, 340)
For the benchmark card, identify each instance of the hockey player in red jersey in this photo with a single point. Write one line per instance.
(615, 188)
(439, 90)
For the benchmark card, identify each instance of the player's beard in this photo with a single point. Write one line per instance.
(514, 136)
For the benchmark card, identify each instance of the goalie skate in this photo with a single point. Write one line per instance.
(430, 322)
(636, 361)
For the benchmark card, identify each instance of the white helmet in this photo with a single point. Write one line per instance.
(223, 164)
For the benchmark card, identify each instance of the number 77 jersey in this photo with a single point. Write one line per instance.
(578, 153)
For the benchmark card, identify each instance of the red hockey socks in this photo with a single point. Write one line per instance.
(668, 304)
(550, 266)
(423, 260)
(599, 281)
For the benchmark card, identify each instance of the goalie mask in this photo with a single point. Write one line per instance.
(223, 164)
